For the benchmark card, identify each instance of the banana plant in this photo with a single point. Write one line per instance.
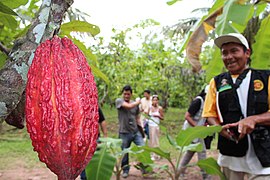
(108, 159)
(183, 143)
(101, 165)
(227, 16)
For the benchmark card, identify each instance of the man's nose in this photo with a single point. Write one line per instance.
(228, 56)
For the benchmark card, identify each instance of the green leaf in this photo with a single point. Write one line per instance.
(115, 146)
(14, 3)
(197, 147)
(210, 166)
(172, 2)
(260, 57)
(158, 151)
(100, 74)
(238, 27)
(86, 51)
(222, 24)
(185, 137)
(111, 141)
(8, 20)
(218, 4)
(239, 13)
(171, 140)
(215, 66)
(260, 8)
(233, 14)
(101, 165)
(141, 155)
(80, 26)
(3, 58)
(6, 10)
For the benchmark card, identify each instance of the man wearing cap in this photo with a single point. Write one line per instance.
(239, 100)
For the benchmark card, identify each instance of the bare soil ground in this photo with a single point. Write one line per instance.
(42, 173)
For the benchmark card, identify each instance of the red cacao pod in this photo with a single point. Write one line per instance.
(62, 107)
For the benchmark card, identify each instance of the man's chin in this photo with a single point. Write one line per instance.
(232, 70)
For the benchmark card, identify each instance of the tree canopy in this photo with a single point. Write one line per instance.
(174, 62)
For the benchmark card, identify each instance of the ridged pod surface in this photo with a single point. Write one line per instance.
(62, 107)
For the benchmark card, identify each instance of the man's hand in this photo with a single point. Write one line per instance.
(246, 126)
(138, 100)
(227, 130)
(227, 133)
(241, 128)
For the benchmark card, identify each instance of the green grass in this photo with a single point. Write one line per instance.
(16, 148)
(111, 117)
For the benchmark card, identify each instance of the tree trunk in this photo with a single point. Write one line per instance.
(13, 76)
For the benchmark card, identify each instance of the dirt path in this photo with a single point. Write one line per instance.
(43, 173)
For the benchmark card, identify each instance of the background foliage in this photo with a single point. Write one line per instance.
(147, 55)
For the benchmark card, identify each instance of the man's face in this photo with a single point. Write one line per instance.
(234, 57)
(127, 96)
(146, 95)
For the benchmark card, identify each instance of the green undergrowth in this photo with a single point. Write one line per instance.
(16, 148)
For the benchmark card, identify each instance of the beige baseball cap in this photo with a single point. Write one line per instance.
(231, 37)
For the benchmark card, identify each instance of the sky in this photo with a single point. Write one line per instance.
(121, 14)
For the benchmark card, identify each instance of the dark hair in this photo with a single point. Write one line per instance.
(249, 60)
(127, 88)
(147, 91)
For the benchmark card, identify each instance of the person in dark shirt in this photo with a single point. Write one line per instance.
(129, 121)
(194, 118)
(102, 123)
(239, 101)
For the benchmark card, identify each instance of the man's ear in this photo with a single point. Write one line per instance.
(248, 52)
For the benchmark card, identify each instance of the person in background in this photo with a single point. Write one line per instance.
(239, 101)
(103, 127)
(129, 119)
(144, 109)
(156, 114)
(194, 118)
(102, 123)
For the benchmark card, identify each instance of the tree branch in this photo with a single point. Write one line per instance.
(4, 49)
(14, 76)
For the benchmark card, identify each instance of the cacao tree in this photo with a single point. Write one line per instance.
(154, 63)
(13, 74)
(19, 40)
(61, 104)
